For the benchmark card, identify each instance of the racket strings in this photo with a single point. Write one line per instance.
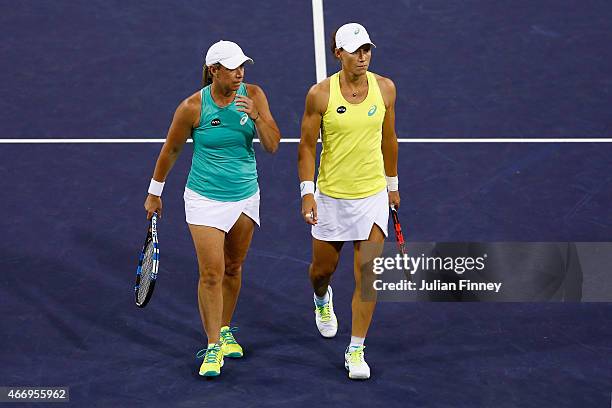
(147, 270)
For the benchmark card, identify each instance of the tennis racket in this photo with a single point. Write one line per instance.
(148, 264)
(399, 237)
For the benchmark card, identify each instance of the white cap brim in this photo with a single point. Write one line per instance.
(235, 61)
(355, 46)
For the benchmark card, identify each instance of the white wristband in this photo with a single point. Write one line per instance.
(156, 188)
(392, 183)
(307, 187)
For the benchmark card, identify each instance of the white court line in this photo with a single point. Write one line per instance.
(293, 140)
(319, 39)
(321, 70)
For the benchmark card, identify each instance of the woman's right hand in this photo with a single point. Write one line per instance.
(153, 204)
(309, 209)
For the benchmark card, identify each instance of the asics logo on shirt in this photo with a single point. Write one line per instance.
(215, 122)
(372, 110)
(244, 119)
(341, 109)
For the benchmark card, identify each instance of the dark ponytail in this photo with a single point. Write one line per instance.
(206, 76)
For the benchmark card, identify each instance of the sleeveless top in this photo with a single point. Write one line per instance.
(351, 165)
(223, 166)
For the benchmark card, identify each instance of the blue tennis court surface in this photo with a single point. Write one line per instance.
(73, 219)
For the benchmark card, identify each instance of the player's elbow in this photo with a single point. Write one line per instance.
(302, 152)
(174, 151)
(170, 151)
(307, 147)
(271, 148)
(274, 147)
(272, 143)
(390, 142)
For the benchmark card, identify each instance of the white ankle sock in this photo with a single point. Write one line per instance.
(211, 345)
(320, 301)
(357, 341)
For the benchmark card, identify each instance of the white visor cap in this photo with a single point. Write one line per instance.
(351, 36)
(227, 53)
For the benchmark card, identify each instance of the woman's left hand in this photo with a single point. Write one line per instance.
(394, 198)
(246, 104)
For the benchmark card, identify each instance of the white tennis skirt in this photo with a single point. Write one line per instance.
(222, 215)
(350, 220)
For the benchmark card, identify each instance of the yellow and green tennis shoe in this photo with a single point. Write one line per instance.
(325, 318)
(229, 345)
(213, 361)
(355, 364)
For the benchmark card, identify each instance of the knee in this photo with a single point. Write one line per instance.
(233, 269)
(210, 276)
(321, 270)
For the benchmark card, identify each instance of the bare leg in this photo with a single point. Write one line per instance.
(363, 310)
(237, 243)
(208, 242)
(325, 257)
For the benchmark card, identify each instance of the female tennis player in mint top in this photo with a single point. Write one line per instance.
(222, 192)
(354, 109)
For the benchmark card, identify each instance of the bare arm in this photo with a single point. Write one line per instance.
(311, 124)
(389, 137)
(179, 132)
(316, 101)
(185, 117)
(259, 110)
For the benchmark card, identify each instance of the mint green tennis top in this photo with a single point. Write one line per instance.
(223, 167)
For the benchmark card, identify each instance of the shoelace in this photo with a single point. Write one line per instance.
(325, 312)
(209, 354)
(356, 355)
(227, 336)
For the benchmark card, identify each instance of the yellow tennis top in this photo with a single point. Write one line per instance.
(351, 164)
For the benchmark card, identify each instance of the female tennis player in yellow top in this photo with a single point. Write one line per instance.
(357, 180)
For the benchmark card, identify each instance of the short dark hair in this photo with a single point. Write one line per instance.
(333, 43)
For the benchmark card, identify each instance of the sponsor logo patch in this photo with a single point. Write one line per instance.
(244, 119)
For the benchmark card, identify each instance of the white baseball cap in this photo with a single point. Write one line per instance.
(351, 36)
(227, 53)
